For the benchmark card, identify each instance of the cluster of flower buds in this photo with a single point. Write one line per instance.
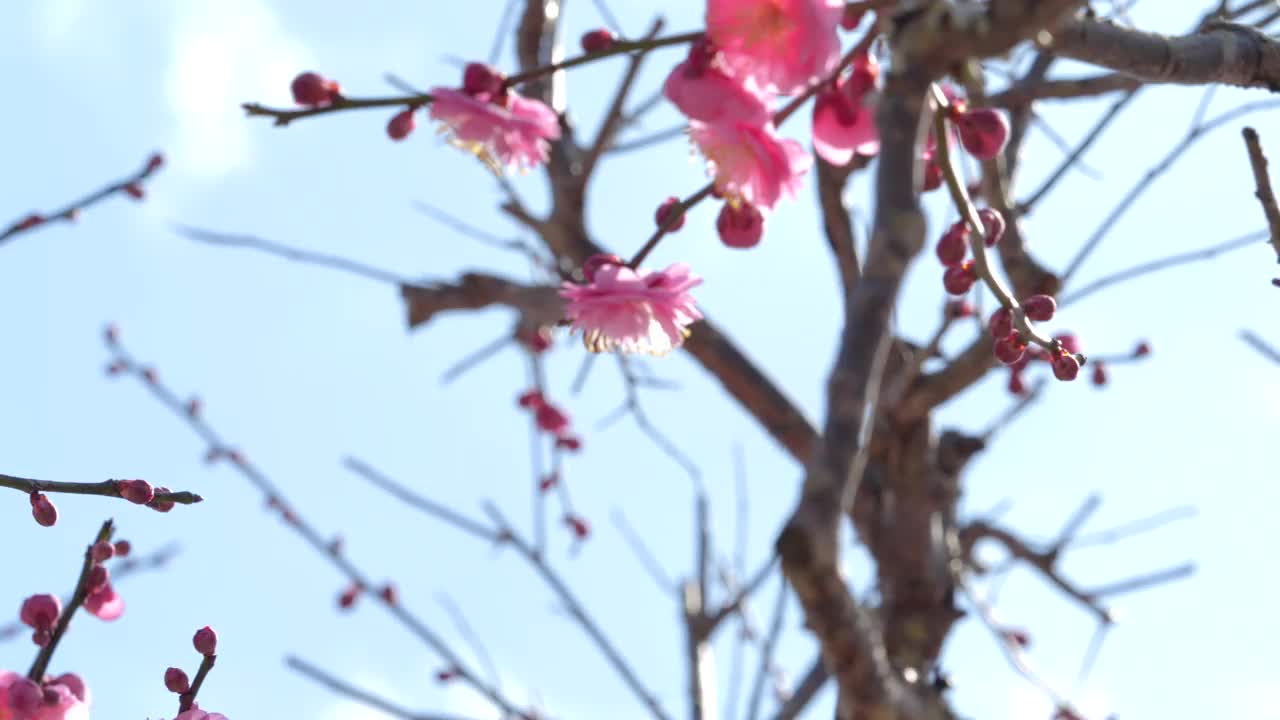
(953, 251)
(1065, 361)
(176, 681)
(41, 613)
(54, 698)
(551, 419)
(140, 492)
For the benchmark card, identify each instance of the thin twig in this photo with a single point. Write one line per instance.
(342, 687)
(1129, 529)
(78, 596)
(642, 552)
(614, 115)
(1267, 198)
(471, 636)
(766, 652)
(1257, 343)
(106, 488)
(294, 254)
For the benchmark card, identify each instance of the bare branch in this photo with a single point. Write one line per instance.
(106, 488)
(1221, 53)
(1258, 161)
(1257, 343)
(642, 552)
(342, 687)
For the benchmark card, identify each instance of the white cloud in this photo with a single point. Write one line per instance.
(224, 53)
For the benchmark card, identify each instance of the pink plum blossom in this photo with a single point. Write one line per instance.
(844, 123)
(508, 131)
(56, 700)
(633, 310)
(198, 714)
(751, 162)
(707, 94)
(783, 45)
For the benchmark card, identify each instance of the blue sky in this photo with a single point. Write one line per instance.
(302, 366)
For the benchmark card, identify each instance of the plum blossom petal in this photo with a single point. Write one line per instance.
(752, 162)
(513, 134)
(709, 95)
(783, 45)
(633, 310)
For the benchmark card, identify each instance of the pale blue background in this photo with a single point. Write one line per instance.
(302, 365)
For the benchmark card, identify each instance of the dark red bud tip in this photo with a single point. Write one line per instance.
(102, 551)
(552, 419)
(42, 510)
(569, 442)
(135, 191)
(116, 368)
(740, 225)
(149, 374)
(932, 176)
(663, 215)
(578, 524)
(165, 505)
(155, 162)
(1016, 385)
(531, 399)
(596, 262)
(139, 492)
(98, 578)
(447, 674)
(205, 641)
(959, 279)
(1039, 308)
(122, 548)
(478, 78)
(388, 594)
(993, 226)
(1018, 637)
(1099, 376)
(535, 339)
(313, 90)
(176, 680)
(30, 221)
(347, 599)
(597, 41)
(1001, 323)
(111, 334)
(983, 132)
(402, 124)
(1142, 350)
(548, 482)
(1066, 367)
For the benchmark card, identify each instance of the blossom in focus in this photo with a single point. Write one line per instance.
(502, 130)
(703, 92)
(633, 310)
(843, 121)
(751, 162)
(782, 45)
(56, 700)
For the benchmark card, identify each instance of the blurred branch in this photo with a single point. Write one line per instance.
(342, 687)
(642, 552)
(614, 115)
(504, 534)
(1258, 161)
(131, 186)
(1064, 89)
(1257, 343)
(221, 449)
(1220, 53)
(289, 253)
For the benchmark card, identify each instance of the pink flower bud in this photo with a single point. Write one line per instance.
(548, 482)
(135, 191)
(102, 551)
(135, 491)
(402, 124)
(595, 262)
(1009, 349)
(664, 212)
(313, 90)
(597, 41)
(478, 78)
(1066, 367)
(155, 162)
(42, 509)
(992, 225)
(74, 684)
(388, 594)
(99, 576)
(1069, 342)
(347, 599)
(40, 612)
(959, 279)
(983, 132)
(42, 637)
(176, 680)
(1099, 376)
(122, 548)
(25, 697)
(1142, 350)
(30, 221)
(932, 175)
(530, 399)
(1016, 386)
(953, 246)
(205, 641)
(1001, 323)
(1039, 308)
(740, 225)
(163, 506)
(569, 442)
